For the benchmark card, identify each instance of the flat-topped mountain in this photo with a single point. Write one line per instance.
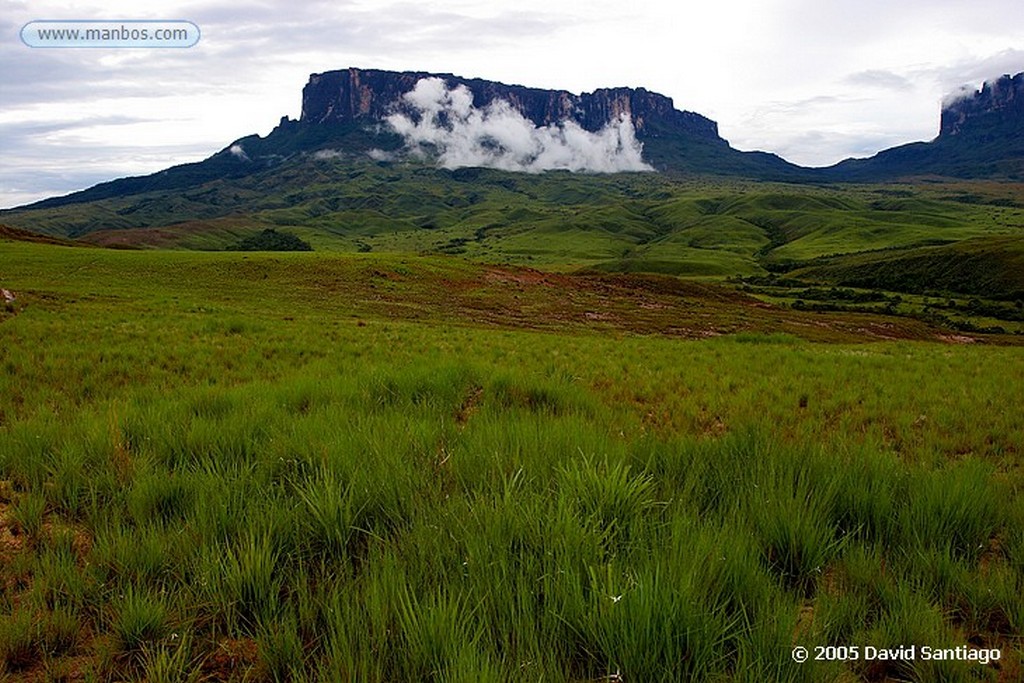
(981, 135)
(344, 112)
(370, 95)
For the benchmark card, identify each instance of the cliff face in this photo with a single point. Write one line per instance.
(349, 94)
(998, 106)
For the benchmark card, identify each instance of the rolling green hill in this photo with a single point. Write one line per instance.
(631, 222)
(989, 267)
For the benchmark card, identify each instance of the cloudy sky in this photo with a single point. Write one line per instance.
(815, 81)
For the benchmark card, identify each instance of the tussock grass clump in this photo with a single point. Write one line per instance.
(18, 642)
(607, 498)
(78, 476)
(435, 387)
(172, 662)
(957, 506)
(158, 498)
(27, 515)
(59, 579)
(797, 542)
(244, 582)
(304, 397)
(440, 638)
(28, 448)
(280, 647)
(870, 487)
(546, 398)
(657, 626)
(139, 618)
(59, 632)
(212, 404)
(141, 554)
(912, 620)
(331, 512)
(757, 656)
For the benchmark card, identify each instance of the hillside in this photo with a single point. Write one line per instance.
(987, 267)
(981, 135)
(647, 222)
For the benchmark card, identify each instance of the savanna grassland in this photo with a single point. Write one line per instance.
(396, 467)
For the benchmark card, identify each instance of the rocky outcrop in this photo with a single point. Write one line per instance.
(350, 94)
(997, 106)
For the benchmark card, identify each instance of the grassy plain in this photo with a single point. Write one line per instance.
(384, 467)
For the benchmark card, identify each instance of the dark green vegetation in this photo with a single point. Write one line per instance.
(996, 153)
(368, 467)
(990, 267)
(272, 240)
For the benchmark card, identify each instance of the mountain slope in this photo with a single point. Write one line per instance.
(981, 135)
(634, 222)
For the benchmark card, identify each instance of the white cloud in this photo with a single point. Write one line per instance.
(380, 155)
(239, 152)
(445, 122)
(880, 78)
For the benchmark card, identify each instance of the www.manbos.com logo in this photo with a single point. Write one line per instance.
(110, 33)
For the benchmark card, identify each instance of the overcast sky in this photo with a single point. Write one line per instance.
(815, 81)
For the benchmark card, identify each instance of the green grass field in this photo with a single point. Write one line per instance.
(390, 467)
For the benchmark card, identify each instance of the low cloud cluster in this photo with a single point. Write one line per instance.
(322, 154)
(968, 91)
(964, 92)
(238, 152)
(443, 121)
